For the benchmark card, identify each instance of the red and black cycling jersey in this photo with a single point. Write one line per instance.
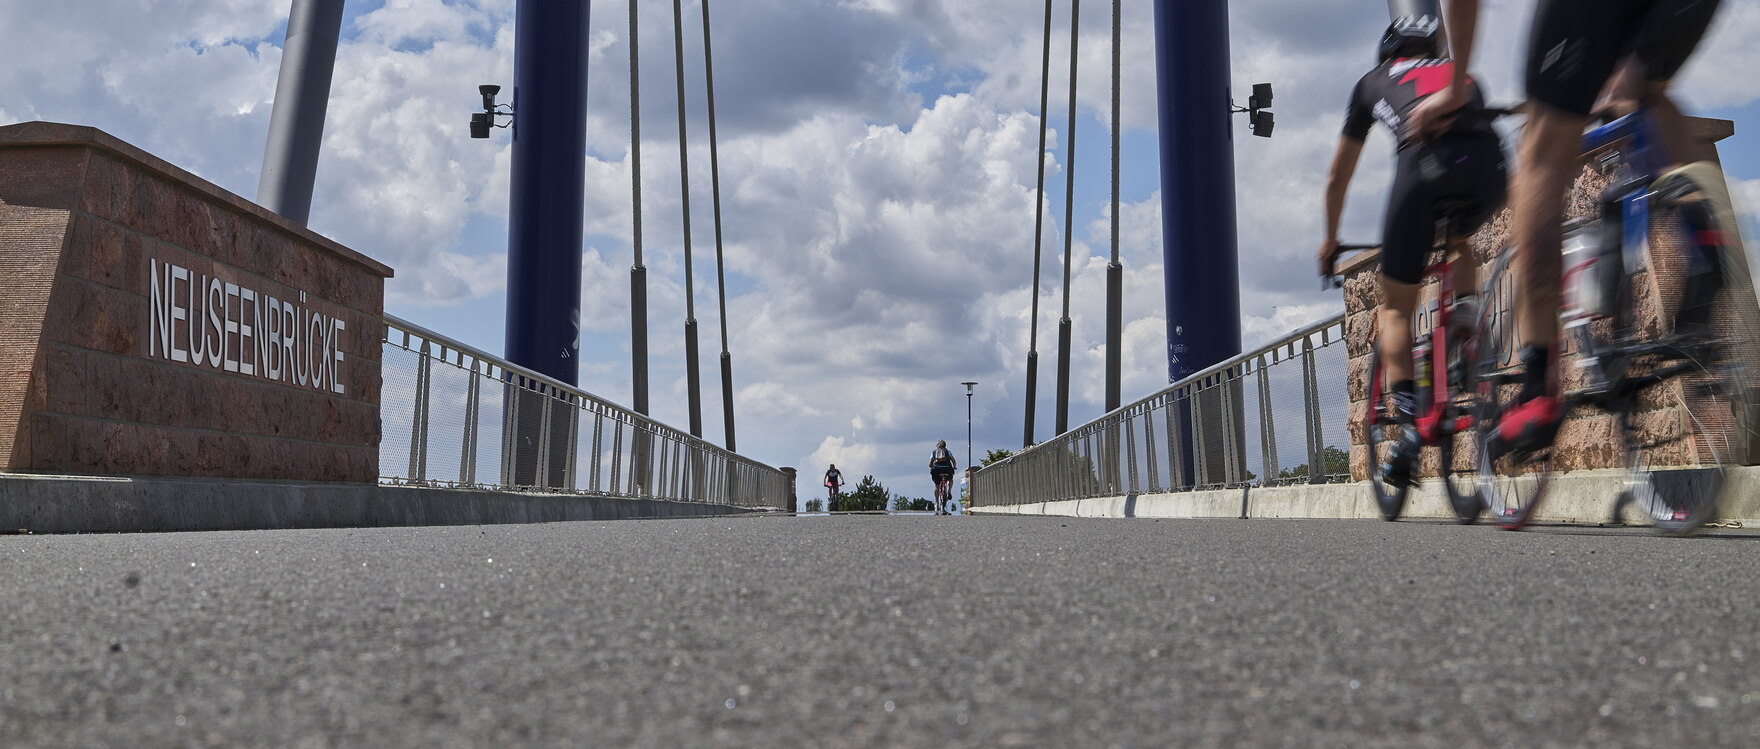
(1390, 91)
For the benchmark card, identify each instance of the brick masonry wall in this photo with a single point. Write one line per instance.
(1588, 439)
(84, 219)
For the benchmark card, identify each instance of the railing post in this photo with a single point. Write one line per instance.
(616, 487)
(1200, 446)
(542, 477)
(418, 440)
(593, 468)
(1232, 472)
(1150, 465)
(1311, 410)
(1130, 455)
(467, 464)
(1176, 472)
(1267, 424)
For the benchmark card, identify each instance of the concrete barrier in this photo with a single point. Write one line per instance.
(86, 504)
(1580, 497)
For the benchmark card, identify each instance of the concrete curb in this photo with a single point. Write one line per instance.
(1582, 497)
(91, 504)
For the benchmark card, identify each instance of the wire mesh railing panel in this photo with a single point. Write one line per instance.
(449, 387)
(1256, 441)
(488, 439)
(454, 415)
(1273, 415)
(1332, 368)
(397, 411)
(1289, 419)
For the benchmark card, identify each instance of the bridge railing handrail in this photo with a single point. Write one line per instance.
(1195, 433)
(661, 462)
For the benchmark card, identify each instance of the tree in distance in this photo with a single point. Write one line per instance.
(869, 496)
(912, 504)
(997, 456)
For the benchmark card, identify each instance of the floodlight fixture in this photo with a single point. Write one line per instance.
(1261, 98)
(482, 121)
(1258, 110)
(1262, 123)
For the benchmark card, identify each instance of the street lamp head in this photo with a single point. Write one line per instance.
(968, 386)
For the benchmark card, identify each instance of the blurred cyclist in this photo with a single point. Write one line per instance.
(1463, 166)
(1575, 47)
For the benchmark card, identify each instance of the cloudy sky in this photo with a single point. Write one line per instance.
(877, 162)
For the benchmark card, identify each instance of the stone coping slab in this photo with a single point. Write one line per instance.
(1584, 497)
(109, 504)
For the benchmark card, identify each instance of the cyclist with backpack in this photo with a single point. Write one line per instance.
(941, 468)
(1463, 167)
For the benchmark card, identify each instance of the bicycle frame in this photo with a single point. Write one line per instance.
(1632, 197)
(1432, 423)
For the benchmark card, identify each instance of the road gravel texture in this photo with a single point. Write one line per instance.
(883, 631)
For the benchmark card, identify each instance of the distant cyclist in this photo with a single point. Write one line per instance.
(941, 468)
(833, 481)
(1463, 166)
(1575, 48)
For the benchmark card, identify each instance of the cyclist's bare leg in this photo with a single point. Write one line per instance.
(1397, 302)
(1547, 163)
(1628, 89)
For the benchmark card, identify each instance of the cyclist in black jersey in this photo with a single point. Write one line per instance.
(1576, 48)
(1463, 167)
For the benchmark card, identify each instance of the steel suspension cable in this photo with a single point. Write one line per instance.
(684, 176)
(1115, 269)
(720, 263)
(1069, 207)
(1038, 236)
(638, 273)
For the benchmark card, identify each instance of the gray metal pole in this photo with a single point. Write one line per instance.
(638, 273)
(969, 386)
(1038, 237)
(302, 93)
(1115, 269)
(720, 263)
(1063, 325)
(692, 376)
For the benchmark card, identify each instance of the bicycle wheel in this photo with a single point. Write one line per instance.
(1512, 485)
(1677, 375)
(1384, 432)
(1460, 480)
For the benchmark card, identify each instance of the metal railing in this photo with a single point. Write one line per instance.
(455, 416)
(1276, 415)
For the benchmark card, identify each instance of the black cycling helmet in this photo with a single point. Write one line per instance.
(1413, 31)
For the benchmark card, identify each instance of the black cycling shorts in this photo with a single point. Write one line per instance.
(1576, 44)
(939, 475)
(1462, 173)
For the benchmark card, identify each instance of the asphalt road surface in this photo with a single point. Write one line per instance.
(883, 631)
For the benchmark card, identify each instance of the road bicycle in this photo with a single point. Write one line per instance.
(1444, 398)
(1672, 378)
(943, 495)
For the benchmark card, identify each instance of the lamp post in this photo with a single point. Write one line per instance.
(968, 422)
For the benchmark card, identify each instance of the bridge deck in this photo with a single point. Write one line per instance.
(904, 631)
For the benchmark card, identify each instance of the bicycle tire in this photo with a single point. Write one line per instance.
(1463, 500)
(1390, 500)
(1511, 487)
